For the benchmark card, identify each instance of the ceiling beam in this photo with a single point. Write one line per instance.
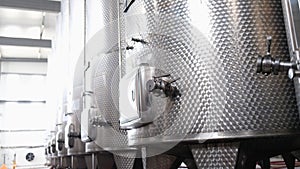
(11, 59)
(33, 5)
(24, 130)
(21, 147)
(40, 43)
(24, 74)
(22, 101)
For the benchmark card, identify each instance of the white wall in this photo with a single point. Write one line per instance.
(22, 87)
(20, 157)
(27, 67)
(23, 116)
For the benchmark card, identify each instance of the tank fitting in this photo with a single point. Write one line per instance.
(72, 134)
(60, 141)
(53, 147)
(99, 121)
(162, 86)
(267, 64)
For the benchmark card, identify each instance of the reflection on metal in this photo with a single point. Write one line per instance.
(11, 59)
(33, 5)
(39, 43)
(214, 57)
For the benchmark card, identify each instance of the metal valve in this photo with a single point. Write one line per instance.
(60, 141)
(162, 86)
(49, 149)
(72, 135)
(99, 121)
(53, 148)
(267, 64)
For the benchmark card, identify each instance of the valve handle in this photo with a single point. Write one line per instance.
(269, 44)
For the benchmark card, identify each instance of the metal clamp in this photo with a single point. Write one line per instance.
(87, 93)
(74, 135)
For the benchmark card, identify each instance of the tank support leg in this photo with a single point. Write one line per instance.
(105, 161)
(265, 163)
(176, 164)
(138, 163)
(190, 163)
(289, 160)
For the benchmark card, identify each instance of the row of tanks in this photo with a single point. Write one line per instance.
(164, 83)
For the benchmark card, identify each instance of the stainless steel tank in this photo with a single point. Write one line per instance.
(73, 127)
(60, 140)
(60, 62)
(52, 153)
(75, 147)
(189, 74)
(100, 80)
(64, 160)
(60, 135)
(49, 158)
(52, 145)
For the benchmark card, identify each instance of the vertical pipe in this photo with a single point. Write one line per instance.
(0, 65)
(93, 161)
(84, 55)
(72, 162)
(120, 39)
(291, 27)
(61, 162)
(290, 24)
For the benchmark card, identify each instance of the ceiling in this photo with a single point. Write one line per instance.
(29, 24)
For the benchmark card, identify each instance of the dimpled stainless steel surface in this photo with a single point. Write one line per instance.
(125, 160)
(212, 47)
(105, 89)
(222, 155)
(102, 17)
(104, 72)
(102, 28)
(97, 17)
(159, 161)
